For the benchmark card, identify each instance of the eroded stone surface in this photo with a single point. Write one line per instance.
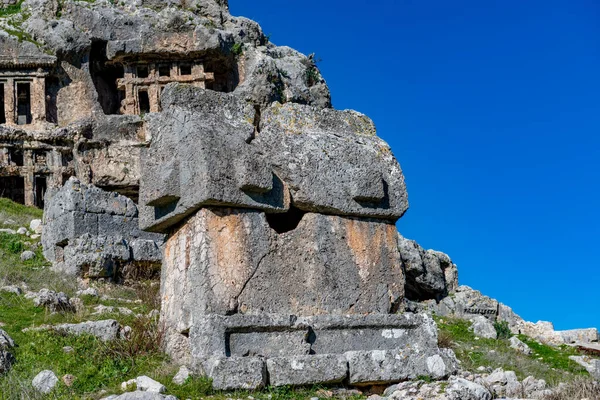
(95, 233)
(211, 149)
(225, 261)
(430, 274)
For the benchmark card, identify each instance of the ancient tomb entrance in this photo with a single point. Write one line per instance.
(2, 109)
(15, 156)
(105, 76)
(13, 187)
(142, 84)
(40, 191)
(23, 103)
(144, 101)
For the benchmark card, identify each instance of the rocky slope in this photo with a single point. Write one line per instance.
(172, 138)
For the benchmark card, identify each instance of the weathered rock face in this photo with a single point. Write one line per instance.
(71, 103)
(430, 274)
(281, 241)
(94, 233)
(211, 149)
(282, 262)
(225, 261)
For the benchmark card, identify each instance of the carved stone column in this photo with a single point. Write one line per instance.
(9, 101)
(29, 188)
(38, 99)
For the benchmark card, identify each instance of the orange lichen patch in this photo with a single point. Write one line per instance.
(228, 244)
(365, 240)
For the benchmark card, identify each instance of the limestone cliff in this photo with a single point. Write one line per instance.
(77, 79)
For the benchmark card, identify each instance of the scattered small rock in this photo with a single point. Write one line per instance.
(518, 345)
(45, 381)
(462, 389)
(27, 255)
(9, 231)
(55, 302)
(68, 349)
(88, 292)
(36, 226)
(77, 305)
(105, 330)
(182, 375)
(6, 358)
(22, 231)
(144, 384)
(483, 327)
(11, 289)
(68, 380)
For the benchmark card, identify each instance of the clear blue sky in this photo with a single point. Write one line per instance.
(493, 110)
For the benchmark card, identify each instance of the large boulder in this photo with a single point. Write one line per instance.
(211, 149)
(94, 233)
(430, 274)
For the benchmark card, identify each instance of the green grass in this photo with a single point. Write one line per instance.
(556, 357)
(97, 366)
(10, 10)
(19, 214)
(549, 363)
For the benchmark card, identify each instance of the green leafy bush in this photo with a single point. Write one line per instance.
(237, 49)
(502, 329)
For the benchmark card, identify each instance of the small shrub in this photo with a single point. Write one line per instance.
(237, 49)
(502, 329)
(312, 75)
(145, 339)
(284, 73)
(16, 247)
(445, 340)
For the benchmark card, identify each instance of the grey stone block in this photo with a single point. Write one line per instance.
(327, 172)
(388, 366)
(204, 139)
(246, 373)
(307, 370)
(225, 261)
(204, 153)
(93, 232)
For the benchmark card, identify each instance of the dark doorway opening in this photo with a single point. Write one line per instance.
(105, 77)
(40, 191)
(225, 72)
(185, 69)
(52, 88)
(15, 156)
(141, 71)
(13, 187)
(144, 101)
(164, 70)
(23, 103)
(285, 222)
(2, 114)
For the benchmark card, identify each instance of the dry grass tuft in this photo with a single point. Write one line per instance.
(445, 340)
(580, 388)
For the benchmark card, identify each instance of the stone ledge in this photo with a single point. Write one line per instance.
(282, 350)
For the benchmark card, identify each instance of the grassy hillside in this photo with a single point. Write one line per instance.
(99, 368)
(546, 362)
